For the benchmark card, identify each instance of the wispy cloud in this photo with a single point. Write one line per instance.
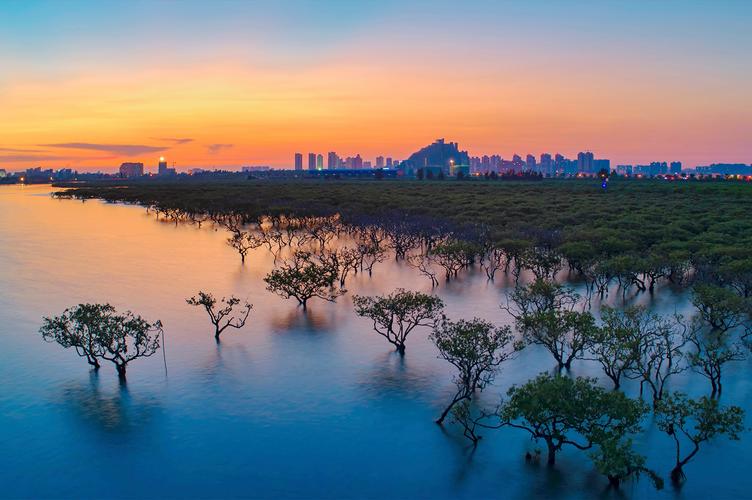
(218, 148)
(176, 141)
(115, 149)
(21, 158)
(16, 150)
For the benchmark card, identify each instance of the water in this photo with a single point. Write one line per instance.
(293, 405)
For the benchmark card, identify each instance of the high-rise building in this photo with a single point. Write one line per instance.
(319, 162)
(354, 162)
(379, 162)
(298, 161)
(389, 162)
(601, 164)
(517, 164)
(485, 163)
(495, 163)
(676, 167)
(132, 169)
(585, 162)
(311, 161)
(530, 162)
(546, 164)
(332, 161)
(658, 167)
(624, 169)
(162, 168)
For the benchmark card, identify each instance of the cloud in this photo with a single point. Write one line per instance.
(218, 148)
(15, 150)
(175, 141)
(46, 158)
(116, 149)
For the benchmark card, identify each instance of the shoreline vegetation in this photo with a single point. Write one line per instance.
(636, 233)
(631, 237)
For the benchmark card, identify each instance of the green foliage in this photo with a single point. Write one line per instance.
(476, 348)
(397, 314)
(565, 411)
(97, 331)
(453, 255)
(545, 315)
(719, 307)
(660, 354)
(617, 460)
(303, 278)
(616, 345)
(712, 350)
(692, 422)
(692, 218)
(221, 317)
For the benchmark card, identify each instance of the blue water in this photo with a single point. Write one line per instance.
(295, 405)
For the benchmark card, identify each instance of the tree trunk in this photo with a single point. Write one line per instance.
(446, 411)
(614, 481)
(121, 370)
(551, 452)
(401, 349)
(617, 383)
(677, 474)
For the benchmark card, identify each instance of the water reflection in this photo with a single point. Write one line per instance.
(296, 404)
(396, 376)
(112, 410)
(312, 320)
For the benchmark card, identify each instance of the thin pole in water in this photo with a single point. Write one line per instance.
(164, 354)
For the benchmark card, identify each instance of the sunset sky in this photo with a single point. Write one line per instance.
(223, 84)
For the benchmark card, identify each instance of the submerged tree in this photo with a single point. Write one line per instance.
(395, 315)
(545, 315)
(303, 278)
(616, 459)
(422, 263)
(462, 414)
(565, 411)
(544, 262)
(476, 348)
(615, 345)
(243, 242)
(695, 422)
(660, 354)
(494, 259)
(720, 308)
(711, 351)
(97, 331)
(453, 256)
(221, 317)
(79, 328)
(371, 253)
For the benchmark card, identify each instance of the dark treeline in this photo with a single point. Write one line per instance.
(635, 234)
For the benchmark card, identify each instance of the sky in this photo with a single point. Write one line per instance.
(218, 84)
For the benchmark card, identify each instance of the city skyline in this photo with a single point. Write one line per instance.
(99, 85)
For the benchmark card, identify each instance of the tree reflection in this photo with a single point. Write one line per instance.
(309, 320)
(395, 377)
(112, 411)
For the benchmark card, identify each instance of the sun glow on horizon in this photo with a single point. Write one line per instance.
(602, 82)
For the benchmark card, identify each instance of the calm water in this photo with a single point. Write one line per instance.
(293, 405)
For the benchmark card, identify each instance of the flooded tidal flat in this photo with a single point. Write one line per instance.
(295, 404)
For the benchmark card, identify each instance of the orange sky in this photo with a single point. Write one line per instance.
(258, 101)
